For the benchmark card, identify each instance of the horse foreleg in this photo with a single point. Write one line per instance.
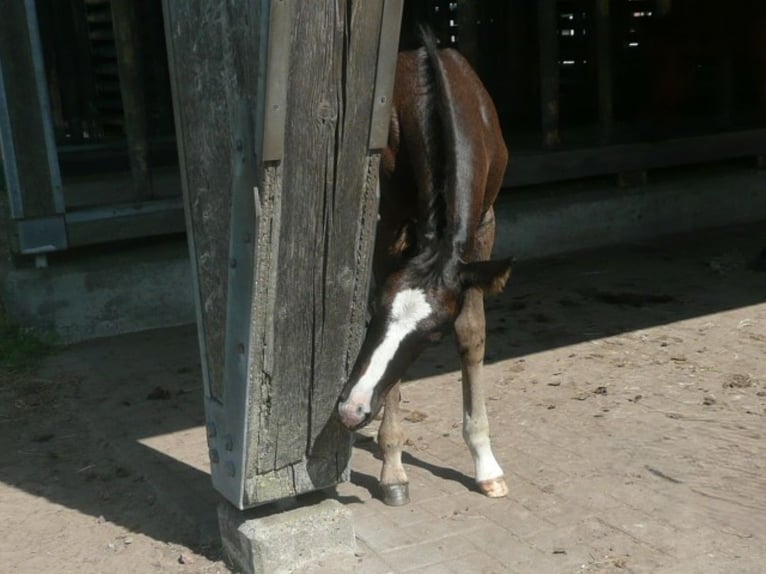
(393, 479)
(470, 329)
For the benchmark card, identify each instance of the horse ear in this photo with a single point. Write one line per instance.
(489, 276)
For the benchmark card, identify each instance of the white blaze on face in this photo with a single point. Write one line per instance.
(408, 309)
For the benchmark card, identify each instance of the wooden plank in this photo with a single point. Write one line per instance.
(322, 202)
(542, 167)
(385, 73)
(197, 33)
(549, 71)
(604, 63)
(277, 69)
(468, 31)
(132, 90)
(100, 225)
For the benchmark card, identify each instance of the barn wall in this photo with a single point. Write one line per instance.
(557, 219)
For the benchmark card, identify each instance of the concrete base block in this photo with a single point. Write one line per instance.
(286, 541)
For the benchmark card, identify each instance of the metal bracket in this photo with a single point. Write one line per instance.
(8, 155)
(41, 235)
(388, 47)
(277, 70)
(227, 420)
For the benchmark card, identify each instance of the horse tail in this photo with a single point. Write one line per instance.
(446, 124)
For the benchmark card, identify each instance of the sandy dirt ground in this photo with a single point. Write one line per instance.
(74, 497)
(627, 394)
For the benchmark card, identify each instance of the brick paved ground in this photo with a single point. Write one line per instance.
(627, 395)
(626, 392)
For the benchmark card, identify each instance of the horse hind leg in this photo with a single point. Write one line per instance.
(470, 330)
(393, 479)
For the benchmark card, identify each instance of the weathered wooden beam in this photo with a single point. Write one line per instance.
(103, 224)
(205, 89)
(322, 198)
(280, 187)
(132, 85)
(604, 64)
(549, 71)
(548, 166)
(468, 31)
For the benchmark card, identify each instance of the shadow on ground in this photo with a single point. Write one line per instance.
(370, 483)
(566, 300)
(94, 429)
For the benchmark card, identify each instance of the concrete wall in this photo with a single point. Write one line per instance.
(102, 295)
(539, 222)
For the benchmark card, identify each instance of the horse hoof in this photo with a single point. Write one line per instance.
(396, 494)
(494, 487)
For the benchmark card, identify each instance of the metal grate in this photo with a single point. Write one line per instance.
(107, 102)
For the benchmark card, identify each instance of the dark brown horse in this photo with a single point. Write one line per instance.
(440, 174)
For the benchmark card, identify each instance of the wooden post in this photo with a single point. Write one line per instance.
(604, 63)
(274, 110)
(549, 71)
(468, 31)
(132, 78)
